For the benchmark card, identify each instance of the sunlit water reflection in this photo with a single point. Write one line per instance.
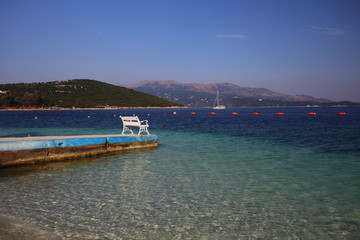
(196, 185)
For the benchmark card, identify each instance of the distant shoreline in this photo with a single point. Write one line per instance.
(172, 107)
(80, 109)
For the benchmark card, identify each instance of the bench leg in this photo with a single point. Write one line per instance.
(143, 129)
(127, 129)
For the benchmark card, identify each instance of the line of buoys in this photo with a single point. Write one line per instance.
(253, 113)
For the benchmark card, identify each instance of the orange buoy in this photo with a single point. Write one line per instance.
(235, 113)
(280, 113)
(174, 113)
(255, 113)
(311, 113)
(341, 113)
(193, 113)
(212, 113)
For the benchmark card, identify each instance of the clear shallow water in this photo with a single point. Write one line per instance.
(212, 177)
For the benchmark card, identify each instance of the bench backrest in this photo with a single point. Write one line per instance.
(130, 121)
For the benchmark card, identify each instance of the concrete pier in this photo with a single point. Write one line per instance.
(30, 150)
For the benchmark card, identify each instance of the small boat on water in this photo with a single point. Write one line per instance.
(217, 102)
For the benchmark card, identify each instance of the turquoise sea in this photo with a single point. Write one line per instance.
(219, 176)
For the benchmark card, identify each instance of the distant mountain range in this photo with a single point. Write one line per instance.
(78, 93)
(86, 93)
(203, 95)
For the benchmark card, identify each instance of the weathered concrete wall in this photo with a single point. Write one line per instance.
(18, 151)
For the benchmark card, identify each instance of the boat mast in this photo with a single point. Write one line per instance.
(216, 102)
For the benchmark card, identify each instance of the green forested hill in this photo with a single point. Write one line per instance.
(83, 93)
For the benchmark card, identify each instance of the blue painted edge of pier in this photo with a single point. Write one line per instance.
(75, 141)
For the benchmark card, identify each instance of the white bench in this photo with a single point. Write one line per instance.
(134, 121)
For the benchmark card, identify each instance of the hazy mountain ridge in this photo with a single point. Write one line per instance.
(200, 94)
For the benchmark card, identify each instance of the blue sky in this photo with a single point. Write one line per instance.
(309, 47)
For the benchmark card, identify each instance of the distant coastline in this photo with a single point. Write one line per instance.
(86, 94)
(80, 109)
(172, 107)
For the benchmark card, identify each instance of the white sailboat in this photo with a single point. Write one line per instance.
(217, 102)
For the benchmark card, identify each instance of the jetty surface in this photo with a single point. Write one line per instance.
(30, 150)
